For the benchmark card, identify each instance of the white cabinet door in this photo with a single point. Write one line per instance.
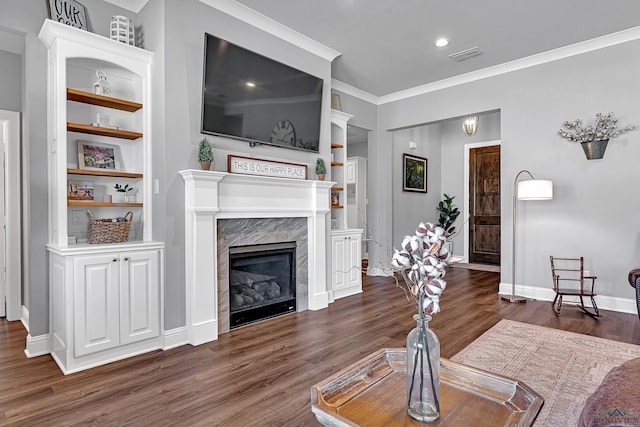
(354, 251)
(95, 303)
(352, 172)
(339, 251)
(347, 263)
(139, 297)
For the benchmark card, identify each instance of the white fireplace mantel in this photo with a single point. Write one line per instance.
(210, 196)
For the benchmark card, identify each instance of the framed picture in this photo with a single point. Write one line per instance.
(335, 198)
(414, 173)
(98, 156)
(80, 190)
(68, 12)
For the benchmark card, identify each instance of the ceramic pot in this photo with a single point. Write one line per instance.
(321, 176)
(205, 165)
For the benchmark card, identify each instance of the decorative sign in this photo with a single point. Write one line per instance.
(68, 12)
(249, 166)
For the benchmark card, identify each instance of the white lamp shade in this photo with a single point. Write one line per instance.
(535, 189)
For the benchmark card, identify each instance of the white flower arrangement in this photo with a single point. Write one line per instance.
(604, 129)
(422, 261)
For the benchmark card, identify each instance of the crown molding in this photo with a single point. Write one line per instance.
(134, 6)
(518, 64)
(262, 22)
(353, 91)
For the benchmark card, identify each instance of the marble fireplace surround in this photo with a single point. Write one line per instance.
(255, 231)
(211, 196)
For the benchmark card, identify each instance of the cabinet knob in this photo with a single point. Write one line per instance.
(115, 260)
(126, 259)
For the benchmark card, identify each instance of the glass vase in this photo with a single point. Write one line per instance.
(423, 372)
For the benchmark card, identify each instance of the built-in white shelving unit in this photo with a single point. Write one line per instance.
(345, 242)
(105, 299)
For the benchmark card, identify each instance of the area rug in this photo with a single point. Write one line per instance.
(474, 266)
(563, 367)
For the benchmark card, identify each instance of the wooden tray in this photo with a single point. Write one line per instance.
(372, 392)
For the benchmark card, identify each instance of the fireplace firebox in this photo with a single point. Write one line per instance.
(262, 282)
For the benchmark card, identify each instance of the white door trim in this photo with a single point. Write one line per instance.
(465, 206)
(10, 128)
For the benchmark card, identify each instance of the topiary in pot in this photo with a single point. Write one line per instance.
(321, 169)
(205, 154)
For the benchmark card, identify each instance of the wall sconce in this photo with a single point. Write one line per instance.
(532, 189)
(470, 125)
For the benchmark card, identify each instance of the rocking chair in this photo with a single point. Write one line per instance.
(569, 280)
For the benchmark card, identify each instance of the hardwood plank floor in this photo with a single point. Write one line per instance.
(261, 375)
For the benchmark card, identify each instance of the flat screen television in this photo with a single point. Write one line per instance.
(250, 97)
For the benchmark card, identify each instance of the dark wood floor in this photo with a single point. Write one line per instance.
(261, 375)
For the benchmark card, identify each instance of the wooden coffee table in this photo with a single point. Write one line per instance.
(372, 392)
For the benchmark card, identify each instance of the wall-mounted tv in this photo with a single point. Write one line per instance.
(250, 97)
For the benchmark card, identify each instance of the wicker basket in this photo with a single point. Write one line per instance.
(108, 231)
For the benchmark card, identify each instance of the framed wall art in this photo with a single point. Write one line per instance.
(68, 12)
(99, 156)
(414, 176)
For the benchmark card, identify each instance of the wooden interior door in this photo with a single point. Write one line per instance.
(484, 205)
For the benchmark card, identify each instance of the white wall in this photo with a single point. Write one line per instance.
(594, 212)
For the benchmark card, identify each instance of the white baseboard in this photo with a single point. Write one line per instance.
(175, 338)
(38, 345)
(605, 302)
(25, 318)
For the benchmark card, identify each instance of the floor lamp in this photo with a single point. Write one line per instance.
(532, 189)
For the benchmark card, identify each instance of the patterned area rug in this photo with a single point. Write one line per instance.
(473, 266)
(563, 367)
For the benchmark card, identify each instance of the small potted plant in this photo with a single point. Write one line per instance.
(128, 192)
(448, 215)
(594, 139)
(321, 169)
(205, 154)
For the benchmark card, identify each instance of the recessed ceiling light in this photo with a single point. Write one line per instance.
(251, 84)
(441, 42)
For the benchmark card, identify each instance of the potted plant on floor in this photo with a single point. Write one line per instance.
(594, 140)
(448, 215)
(321, 169)
(205, 154)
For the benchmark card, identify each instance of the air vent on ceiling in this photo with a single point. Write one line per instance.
(466, 54)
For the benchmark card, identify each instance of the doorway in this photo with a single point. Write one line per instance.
(482, 202)
(11, 227)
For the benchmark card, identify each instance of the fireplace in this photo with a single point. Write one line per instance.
(225, 210)
(262, 282)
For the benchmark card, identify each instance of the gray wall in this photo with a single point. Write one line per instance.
(11, 81)
(26, 18)
(409, 208)
(181, 64)
(593, 214)
(453, 164)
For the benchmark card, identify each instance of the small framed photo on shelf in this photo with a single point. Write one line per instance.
(99, 156)
(414, 173)
(80, 190)
(335, 198)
